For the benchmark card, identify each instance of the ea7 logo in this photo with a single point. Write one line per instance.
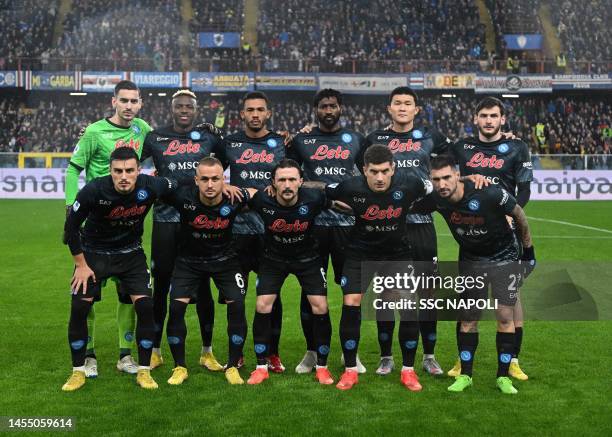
(105, 202)
(310, 141)
(359, 199)
(382, 137)
(268, 211)
(189, 206)
(469, 146)
(235, 145)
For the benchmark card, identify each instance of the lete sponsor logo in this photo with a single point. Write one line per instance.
(374, 212)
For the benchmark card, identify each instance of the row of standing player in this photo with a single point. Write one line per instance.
(252, 153)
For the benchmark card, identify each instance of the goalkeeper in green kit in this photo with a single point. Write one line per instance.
(92, 154)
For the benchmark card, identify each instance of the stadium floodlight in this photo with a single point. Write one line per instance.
(161, 94)
(511, 96)
(449, 96)
(78, 94)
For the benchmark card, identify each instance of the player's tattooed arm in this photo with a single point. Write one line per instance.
(522, 225)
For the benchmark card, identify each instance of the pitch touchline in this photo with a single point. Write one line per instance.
(592, 228)
(536, 237)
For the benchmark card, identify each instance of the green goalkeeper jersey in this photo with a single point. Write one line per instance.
(96, 143)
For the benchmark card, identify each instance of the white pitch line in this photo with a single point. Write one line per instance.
(560, 222)
(561, 237)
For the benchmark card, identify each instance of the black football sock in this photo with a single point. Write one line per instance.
(205, 307)
(504, 342)
(236, 331)
(177, 331)
(145, 329)
(276, 326)
(408, 335)
(428, 326)
(322, 335)
(262, 327)
(161, 288)
(467, 342)
(306, 318)
(518, 341)
(77, 331)
(385, 337)
(350, 329)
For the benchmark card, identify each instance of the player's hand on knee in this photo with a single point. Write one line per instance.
(81, 277)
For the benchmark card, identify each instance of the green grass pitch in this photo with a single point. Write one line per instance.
(568, 362)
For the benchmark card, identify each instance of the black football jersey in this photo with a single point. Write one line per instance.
(206, 231)
(288, 229)
(329, 157)
(478, 222)
(251, 161)
(113, 221)
(379, 232)
(504, 162)
(176, 155)
(412, 151)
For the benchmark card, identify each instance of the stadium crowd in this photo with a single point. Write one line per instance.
(569, 125)
(446, 30)
(141, 32)
(356, 36)
(584, 30)
(26, 29)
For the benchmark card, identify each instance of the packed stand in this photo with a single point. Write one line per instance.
(26, 31)
(570, 125)
(584, 29)
(135, 35)
(217, 15)
(369, 33)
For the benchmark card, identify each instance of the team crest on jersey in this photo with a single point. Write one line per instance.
(343, 281)
(195, 135)
(473, 205)
(398, 195)
(347, 138)
(503, 148)
(272, 143)
(225, 211)
(417, 134)
(142, 194)
(136, 129)
(76, 205)
(303, 210)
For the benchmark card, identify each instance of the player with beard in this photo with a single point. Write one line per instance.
(504, 162)
(328, 153)
(252, 154)
(91, 154)
(380, 201)
(176, 150)
(412, 148)
(113, 208)
(290, 248)
(205, 251)
(489, 250)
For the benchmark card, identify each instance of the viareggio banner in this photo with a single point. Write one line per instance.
(49, 183)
